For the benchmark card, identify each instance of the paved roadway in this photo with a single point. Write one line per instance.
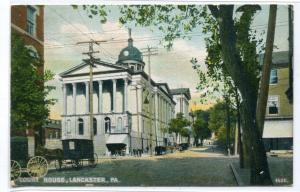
(194, 167)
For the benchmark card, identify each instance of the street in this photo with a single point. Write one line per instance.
(194, 167)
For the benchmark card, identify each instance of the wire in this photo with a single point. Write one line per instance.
(63, 18)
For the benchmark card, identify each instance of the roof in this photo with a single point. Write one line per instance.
(96, 62)
(279, 59)
(179, 91)
(55, 124)
(158, 85)
(130, 53)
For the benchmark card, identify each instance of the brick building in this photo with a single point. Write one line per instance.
(27, 21)
(52, 134)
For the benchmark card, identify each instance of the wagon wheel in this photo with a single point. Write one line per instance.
(37, 166)
(77, 163)
(15, 170)
(93, 161)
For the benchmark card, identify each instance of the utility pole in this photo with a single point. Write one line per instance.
(265, 78)
(289, 92)
(150, 51)
(91, 61)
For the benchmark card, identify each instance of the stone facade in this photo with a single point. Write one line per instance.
(129, 108)
(182, 97)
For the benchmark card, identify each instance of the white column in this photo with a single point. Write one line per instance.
(100, 98)
(114, 94)
(87, 110)
(74, 98)
(65, 98)
(125, 95)
(157, 131)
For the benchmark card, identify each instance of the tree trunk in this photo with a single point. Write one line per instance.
(265, 78)
(240, 145)
(227, 125)
(260, 174)
(259, 166)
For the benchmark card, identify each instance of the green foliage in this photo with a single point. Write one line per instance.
(214, 77)
(200, 127)
(94, 10)
(185, 132)
(29, 106)
(178, 124)
(217, 123)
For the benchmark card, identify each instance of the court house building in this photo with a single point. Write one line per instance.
(130, 110)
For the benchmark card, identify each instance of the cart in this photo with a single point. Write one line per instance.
(77, 153)
(36, 166)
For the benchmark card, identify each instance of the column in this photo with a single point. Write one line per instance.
(125, 95)
(114, 94)
(74, 98)
(87, 110)
(65, 98)
(100, 98)
(157, 132)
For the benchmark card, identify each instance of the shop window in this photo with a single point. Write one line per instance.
(273, 105)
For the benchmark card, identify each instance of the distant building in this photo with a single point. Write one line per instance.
(129, 113)
(52, 134)
(182, 97)
(278, 128)
(27, 21)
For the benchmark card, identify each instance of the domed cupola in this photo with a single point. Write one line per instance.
(131, 57)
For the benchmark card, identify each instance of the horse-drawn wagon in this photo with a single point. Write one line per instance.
(77, 153)
(36, 166)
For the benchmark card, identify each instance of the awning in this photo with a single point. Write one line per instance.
(117, 139)
(278, 129)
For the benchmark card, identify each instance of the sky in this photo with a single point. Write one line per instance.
(65, 26)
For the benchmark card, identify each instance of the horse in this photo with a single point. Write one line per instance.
(51, 154)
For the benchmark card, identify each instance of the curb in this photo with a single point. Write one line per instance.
(236, 176)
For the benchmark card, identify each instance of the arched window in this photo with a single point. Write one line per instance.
(80, 126)
(107, 125)
(95, 126)
(119, 124)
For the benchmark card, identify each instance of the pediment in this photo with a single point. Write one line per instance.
(98, 67)
(164, 87)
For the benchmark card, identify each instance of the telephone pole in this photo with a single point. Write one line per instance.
(150, 51)
(91, 60)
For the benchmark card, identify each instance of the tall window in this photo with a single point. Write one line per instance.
(31, 22)
(68, 126)
(107, 125)
(95, 126)
(273, 76)
(119, 124)
(80, 126)
(273, 105)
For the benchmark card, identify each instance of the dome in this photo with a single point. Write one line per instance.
(130, 53)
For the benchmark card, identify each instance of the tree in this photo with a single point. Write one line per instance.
(178, 125)
(218, 124)
(29, 105)
(246, 79)
(177, 21)
(201, 130)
